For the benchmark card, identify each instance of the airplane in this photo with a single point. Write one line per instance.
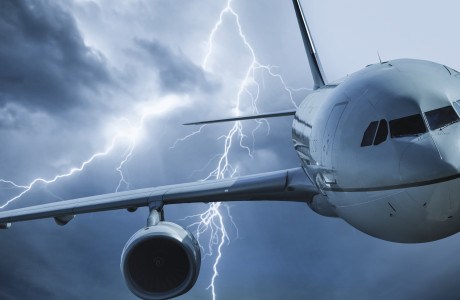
(378, 148)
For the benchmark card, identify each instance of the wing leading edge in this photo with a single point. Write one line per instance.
(286, 185)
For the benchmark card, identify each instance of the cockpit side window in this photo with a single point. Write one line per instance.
(382, 133)
(441, 117)
(407, 126)
(369, 134)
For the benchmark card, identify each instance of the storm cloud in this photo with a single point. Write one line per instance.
(74, 74)
(44, 62)
(176, 73)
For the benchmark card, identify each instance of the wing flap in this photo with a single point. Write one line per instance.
(285, 185)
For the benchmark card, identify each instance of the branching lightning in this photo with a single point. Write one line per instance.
(14, 185)
(72, 171)
(212, 220)
(127, 155)
(187, 137)
(130, 134)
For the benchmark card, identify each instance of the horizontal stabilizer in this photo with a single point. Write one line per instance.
(260, 116)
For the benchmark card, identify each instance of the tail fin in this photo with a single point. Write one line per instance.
(315, 65)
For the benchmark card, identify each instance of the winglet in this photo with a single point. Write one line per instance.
(315, 65)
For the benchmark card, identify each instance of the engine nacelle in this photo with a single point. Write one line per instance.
(161, 261)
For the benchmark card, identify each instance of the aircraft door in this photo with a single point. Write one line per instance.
(329, 134)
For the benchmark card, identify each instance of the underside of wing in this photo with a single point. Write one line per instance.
(285, 185)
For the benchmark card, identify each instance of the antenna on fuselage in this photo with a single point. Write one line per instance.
(315, 66)
(378, 54)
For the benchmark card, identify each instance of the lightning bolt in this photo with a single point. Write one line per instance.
(212, 220)
(130, 133)
(72, 171)
(187, 137)
(14, 185)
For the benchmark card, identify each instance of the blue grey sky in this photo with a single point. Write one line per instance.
(74, 75)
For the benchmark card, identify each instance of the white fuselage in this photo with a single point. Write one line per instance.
(383, 147)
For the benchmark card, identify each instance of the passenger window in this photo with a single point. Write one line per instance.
(382, 133)
(441, 117)
(369, 134)
(407, 126)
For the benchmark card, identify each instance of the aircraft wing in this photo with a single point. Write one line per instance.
(285, 185)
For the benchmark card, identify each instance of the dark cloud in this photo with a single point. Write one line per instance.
(44, 62)
(283, 251)
(176, 72)
(62, 264)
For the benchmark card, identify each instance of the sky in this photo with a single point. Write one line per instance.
(119, 78)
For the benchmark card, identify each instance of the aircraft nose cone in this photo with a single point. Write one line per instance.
(448, 144)
(422, 161)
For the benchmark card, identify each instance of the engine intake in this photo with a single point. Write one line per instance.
(161, 261)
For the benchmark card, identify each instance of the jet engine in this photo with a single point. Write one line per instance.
(161, 261)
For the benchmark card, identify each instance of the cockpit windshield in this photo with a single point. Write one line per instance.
(407, 126)
(441, 117)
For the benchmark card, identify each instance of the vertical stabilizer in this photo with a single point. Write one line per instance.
(315, 65)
